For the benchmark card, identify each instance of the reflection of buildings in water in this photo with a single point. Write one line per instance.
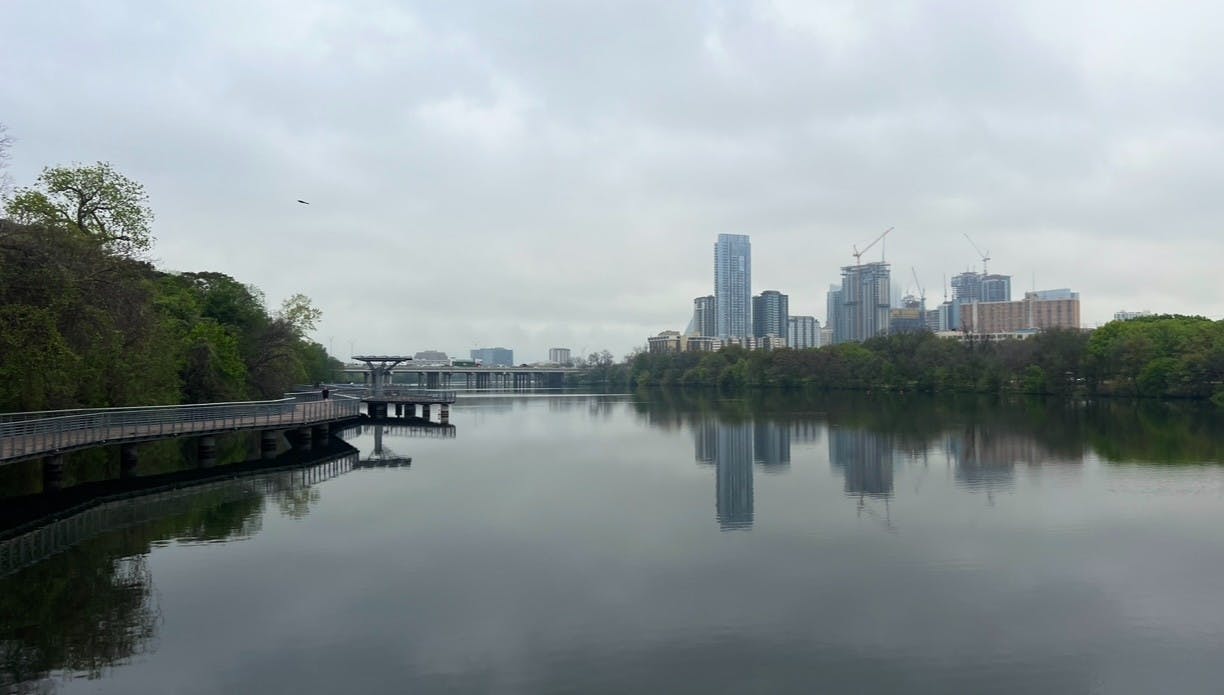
(805, 431)
(865, 460)
(987, 459)
(771, 446)
(732, 449)
(733, 477)
(705, 440)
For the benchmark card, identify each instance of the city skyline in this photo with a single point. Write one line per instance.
(517, 197)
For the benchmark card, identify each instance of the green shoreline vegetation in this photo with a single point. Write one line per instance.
(86, 321)
(1151, 357)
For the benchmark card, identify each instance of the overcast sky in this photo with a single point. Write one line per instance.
(545, 174)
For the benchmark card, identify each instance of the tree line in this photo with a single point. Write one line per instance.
(1159, 356)
(86, 321)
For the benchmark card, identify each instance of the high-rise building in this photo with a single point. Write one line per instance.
(972, 287)
(865, 300)
(770, 313)
(835, 316)
(803, 332)
(559, 355)
(733, 285)
(705, 317)
(494, 357)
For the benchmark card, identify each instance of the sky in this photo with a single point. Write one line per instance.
(554, 174)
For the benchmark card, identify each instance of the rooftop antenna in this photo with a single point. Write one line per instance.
(985, 256)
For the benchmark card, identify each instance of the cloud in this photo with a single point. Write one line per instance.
(536, 173)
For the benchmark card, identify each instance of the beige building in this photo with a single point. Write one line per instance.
(672, 341)
(1038, 311)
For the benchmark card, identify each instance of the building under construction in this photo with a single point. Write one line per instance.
(863, 302)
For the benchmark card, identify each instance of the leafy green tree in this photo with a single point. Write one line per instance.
(95, 201)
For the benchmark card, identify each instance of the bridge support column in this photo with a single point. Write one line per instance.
(53, 473)
(269, 441)
(128, 460)
(444, 413)
(399, 410)
(301, 439)
(319, 435)
(206, 452)
(425, 411)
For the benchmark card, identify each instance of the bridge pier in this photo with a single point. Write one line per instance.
(399, 410)
(268, 444)
(53, 473)
(319, 434)
(206, 452)
(444, 414)
(301, 439)
(128, 461)
(425, 411)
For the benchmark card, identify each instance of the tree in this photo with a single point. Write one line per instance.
(95, 201)
(299, 314)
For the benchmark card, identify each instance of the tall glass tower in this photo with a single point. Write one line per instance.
(733, 285)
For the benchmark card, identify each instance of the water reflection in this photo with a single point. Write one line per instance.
(76, 595)
(865, 460)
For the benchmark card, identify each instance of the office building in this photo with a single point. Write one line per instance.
(705, 317)
(865, 302)
(826, 336)
(835, 315)
(494, 357)
(733, 285)
(430, 356)
(1036, 312)
(559, 355)
(803, 332)
(770, 313)
(1130, 315)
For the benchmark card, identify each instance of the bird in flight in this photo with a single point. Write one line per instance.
(303, 202)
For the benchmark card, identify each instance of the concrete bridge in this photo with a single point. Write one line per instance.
(439, 376)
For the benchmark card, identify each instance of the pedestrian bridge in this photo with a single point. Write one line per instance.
(41, 434)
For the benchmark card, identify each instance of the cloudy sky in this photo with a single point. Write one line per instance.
(555, 173)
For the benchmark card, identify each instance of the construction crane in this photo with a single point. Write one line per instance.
(858, 255)
(921, 291)
(985, 256)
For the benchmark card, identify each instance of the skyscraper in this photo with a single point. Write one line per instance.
(835, 316)
(865, 301)
(770, 311)
(705, 317)
(733, 285)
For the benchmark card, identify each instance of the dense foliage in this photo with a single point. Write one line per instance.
(83, 323)
(1160, 356)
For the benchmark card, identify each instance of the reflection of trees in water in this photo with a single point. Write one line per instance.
(93, 605)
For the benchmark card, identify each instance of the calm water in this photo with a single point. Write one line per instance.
(666, 544)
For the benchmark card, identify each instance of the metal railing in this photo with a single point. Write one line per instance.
(30, 434)
(423, 395)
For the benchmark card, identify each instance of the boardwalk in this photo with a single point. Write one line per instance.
(33, 435)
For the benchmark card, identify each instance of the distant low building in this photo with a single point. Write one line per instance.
(803, 332)
(559, 355)
(673, 341)
(430, 356)
(1038, 311)
(1129, 315)
(494, 357)
(768, 342)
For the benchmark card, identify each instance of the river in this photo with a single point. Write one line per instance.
(667, 542)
